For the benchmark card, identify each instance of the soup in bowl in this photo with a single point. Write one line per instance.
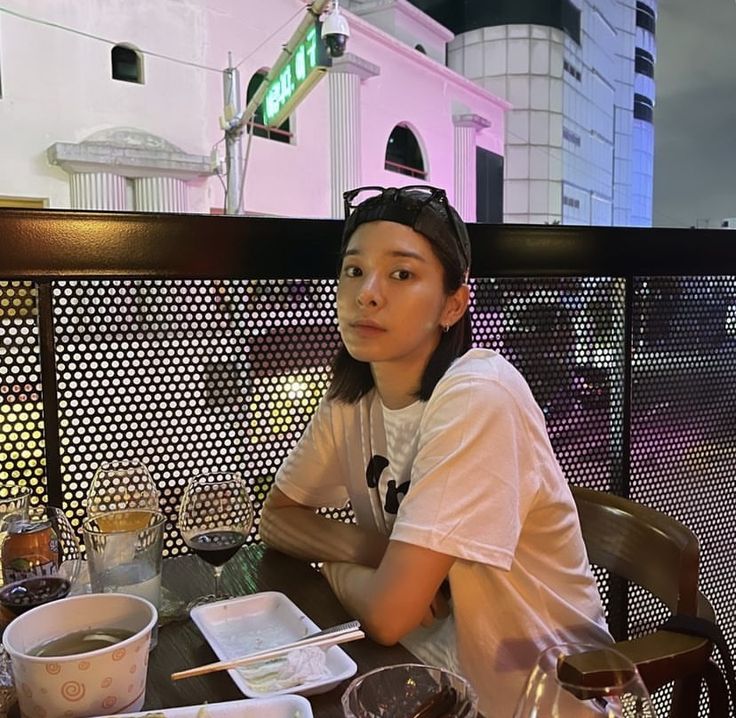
(81, 656)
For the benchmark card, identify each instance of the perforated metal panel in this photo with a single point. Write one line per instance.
(21, 414)
(196, 375)
(189, 377)
(683, 453)
(566, 336)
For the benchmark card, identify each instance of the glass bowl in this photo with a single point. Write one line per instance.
(410, 690)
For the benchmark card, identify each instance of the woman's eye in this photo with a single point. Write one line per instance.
(401, 274)
(351, 271)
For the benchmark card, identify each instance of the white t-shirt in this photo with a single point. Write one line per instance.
(485, 487)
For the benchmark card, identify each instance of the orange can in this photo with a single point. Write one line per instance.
(30, 548)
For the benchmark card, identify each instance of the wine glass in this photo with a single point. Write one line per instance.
(40, 558)
(122, 485)
(215, 518)
(584, 681)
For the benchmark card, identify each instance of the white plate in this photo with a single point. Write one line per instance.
(286, 706)
(265, 620)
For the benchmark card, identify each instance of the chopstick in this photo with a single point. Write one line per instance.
(329, 637)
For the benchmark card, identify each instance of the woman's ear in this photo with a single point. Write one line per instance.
(456, 305)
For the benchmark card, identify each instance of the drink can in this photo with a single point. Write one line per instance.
(30, 548)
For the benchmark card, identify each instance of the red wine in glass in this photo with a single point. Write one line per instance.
(215, 518)
(21, 596)
(216, 547)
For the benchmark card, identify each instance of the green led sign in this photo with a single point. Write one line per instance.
(305, 67)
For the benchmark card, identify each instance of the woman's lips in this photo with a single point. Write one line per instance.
(366, 329)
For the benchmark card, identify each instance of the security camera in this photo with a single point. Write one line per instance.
(335, 32)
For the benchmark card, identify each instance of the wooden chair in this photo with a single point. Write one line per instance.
(661, 555)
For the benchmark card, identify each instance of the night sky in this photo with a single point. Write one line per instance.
(695, 114)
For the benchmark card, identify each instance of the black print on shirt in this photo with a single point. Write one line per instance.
(374, 470)
(393, 495)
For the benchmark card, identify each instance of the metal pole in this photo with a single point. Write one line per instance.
(49, 390)
(233, 144)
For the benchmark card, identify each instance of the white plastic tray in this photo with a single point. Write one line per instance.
(285, 706)
(260, 621)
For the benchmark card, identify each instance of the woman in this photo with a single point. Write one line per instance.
(444, 456)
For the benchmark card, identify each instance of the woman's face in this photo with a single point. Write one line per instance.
(391, 301)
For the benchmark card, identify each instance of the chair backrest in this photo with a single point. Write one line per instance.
(661, 555)
(642, 545)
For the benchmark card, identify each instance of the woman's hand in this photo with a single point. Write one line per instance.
(438, 609)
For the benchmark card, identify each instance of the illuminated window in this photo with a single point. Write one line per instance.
(22, 202)
(126, 64)
(403, 154)
(259, 129)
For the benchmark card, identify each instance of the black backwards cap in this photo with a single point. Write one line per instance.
(423, 208)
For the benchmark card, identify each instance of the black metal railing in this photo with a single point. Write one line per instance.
(196, 342)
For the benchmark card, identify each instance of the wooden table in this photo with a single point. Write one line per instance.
(253, 569)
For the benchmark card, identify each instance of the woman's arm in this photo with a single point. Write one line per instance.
(299, 531)
(395, 598)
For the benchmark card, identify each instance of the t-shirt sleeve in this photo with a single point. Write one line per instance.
(474, 477)
(312, 473)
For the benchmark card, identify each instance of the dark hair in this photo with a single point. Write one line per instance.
(445, 231)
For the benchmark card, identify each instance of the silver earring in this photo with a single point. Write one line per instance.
(445, 328)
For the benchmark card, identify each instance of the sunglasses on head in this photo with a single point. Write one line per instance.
(419, 194)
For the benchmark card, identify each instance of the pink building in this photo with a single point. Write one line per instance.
(120, 110)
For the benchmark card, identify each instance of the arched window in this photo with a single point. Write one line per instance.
(420, 48)
(259, 129)
(403, 154)
(126, 64)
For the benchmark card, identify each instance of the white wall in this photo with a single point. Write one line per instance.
(57, 85)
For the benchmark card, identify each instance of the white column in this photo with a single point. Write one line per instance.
(345, 77)
(98, 190)
(160, 194)
(464, 185)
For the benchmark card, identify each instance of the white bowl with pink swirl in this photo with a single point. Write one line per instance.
(98, 682)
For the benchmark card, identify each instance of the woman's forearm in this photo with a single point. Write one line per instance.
(396, 597)
(353, 585)
(300, 532)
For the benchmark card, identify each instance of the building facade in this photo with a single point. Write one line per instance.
(580, 77)
(118, 105)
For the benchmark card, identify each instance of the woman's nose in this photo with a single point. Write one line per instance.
(370, 292)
